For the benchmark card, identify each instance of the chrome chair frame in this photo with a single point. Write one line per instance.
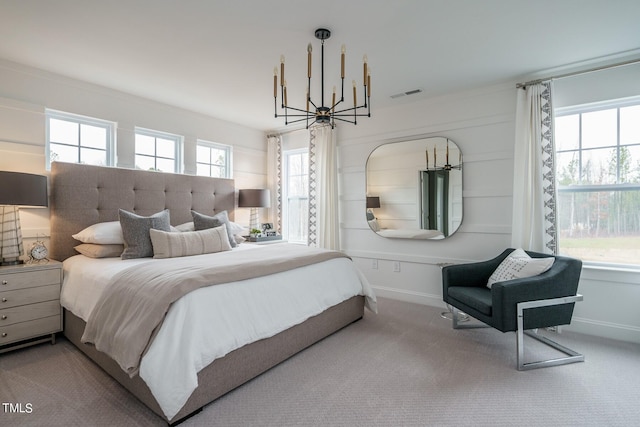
(572, 355)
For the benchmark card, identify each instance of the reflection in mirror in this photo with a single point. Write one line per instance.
(414, 189)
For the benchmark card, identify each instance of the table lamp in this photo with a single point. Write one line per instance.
(17, 189)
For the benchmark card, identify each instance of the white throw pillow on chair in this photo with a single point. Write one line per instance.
(519, 265)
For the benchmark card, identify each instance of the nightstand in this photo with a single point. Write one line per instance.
(29, 304)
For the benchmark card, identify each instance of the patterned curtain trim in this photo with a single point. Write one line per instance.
(548, 168)
(275, 144)
(312, 238)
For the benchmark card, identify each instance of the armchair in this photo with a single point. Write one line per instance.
(518, 305)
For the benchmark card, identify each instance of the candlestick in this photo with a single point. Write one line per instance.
(364, 78)
(344, 50)
(354, 94)
(333, 100)
(275, 82)
(285, 94)
(309, 48)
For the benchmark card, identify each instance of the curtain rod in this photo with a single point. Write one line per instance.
(577, 73)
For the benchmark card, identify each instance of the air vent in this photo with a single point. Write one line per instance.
(409, 92)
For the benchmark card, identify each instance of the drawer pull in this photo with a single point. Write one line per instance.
(4, 317)
(4, 300)
(4, 282)
(4, 334)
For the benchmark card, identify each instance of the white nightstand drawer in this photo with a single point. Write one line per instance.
(9, 316)
(30, 329)
(28, 279)
(29, 296)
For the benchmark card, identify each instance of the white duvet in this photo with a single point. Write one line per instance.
(210, 322)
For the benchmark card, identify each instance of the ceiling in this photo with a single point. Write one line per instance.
(217, 57)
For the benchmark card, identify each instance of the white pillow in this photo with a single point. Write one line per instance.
(102, 233)
(100, 251)
(187, 226)
(373, 223)
(518, 265)
(170, 245)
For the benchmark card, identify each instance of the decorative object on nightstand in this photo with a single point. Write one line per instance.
(17, 189)
(38, 252)
(30, 311)
(254, 199)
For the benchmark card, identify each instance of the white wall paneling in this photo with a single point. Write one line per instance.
(25, 92)
(482, 124)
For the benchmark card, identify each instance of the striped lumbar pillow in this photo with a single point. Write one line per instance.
(170, 245)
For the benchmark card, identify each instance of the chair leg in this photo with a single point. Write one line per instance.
(572, 356)
(458, 317)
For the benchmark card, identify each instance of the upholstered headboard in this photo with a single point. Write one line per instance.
(82, 195)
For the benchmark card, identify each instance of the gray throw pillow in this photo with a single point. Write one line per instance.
(202, 222)
(135, 230)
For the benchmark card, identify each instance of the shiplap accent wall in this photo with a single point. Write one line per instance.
(482, 124)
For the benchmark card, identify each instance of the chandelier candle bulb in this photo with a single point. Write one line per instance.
(309, 49)
(344, 50)
(282, 70)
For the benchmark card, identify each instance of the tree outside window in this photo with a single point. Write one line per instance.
(598, 175)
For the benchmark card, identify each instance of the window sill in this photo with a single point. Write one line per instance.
(614, 273)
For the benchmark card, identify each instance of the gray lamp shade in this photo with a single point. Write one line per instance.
(254, 198)
(23, 189)
(373, 202)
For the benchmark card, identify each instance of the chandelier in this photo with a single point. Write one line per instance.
(447, 166)
(320, 113)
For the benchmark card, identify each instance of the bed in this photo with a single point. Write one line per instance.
(83, 195)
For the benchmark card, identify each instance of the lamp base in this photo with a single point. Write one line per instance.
(11, 248)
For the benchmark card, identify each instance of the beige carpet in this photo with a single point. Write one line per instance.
(402, 367)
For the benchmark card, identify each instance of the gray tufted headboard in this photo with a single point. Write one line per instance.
(82, 195)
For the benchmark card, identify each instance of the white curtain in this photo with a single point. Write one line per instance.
(274, 179)
(534, 190)
(323, 188)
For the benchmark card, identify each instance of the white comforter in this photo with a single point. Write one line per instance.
(210, 322)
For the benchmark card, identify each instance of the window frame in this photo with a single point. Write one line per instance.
(285, 193)
(178, 147)
(228, 150)
(109, 126)
(616, 104)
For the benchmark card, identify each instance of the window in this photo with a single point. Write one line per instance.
(295, 215)
(158, 151)
(79, 139)
(598, 175)
(213, 160)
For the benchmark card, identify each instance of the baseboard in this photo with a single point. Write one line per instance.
(408, 296)
(578, 324)
(597, 328)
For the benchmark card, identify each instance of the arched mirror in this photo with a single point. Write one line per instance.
(414, 189)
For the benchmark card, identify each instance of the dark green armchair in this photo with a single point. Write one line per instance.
(519, 305)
